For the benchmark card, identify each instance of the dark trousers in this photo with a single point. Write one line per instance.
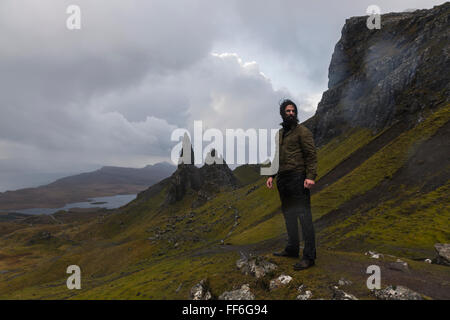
(296, 205)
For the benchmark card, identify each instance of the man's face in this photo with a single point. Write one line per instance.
(289, 111)
(289, 114)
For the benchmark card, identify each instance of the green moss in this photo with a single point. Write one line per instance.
(410, 227)
(381, 165)
(267, 229)
(247, 174)
(339, 148)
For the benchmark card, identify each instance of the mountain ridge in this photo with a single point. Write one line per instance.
(106, 181)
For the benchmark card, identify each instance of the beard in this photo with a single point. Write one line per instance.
(289, 121)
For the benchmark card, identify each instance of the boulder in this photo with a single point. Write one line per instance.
(341, 295)
(344, 282)
(255, 266)
(443, 253)
(280, 281)
(374, 255)
(399, 265)
(200, 291)
(304, 294)
(243, 293)
(397, 293)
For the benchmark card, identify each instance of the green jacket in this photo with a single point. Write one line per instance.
(297, 151)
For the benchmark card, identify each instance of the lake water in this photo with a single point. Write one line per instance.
(111, 202)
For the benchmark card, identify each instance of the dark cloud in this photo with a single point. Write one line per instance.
(112, 92)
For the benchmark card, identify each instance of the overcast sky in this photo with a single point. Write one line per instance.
(112, 92)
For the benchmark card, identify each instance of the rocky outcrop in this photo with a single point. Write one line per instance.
(397, 293)
(243, 293)
(203, 182)
(398, 265)
(185, 178)
(339, 294)
(255, 266)
(279, 282)
(200, 291)
(378, 77)
(443, 253)
(374, 255)
(303, 293)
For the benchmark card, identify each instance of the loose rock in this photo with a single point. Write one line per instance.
(397, 293)
(306, 296)
(344, 282)
(200, 291)
(374, 255)
(243, 293)
(399, 265)
(341, 295)
(256, 266)
(443, 253)
(280, 281)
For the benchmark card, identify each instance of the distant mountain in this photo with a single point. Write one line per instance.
(146, 176)
(106, 181)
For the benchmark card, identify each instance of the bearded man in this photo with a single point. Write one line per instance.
(296, 175)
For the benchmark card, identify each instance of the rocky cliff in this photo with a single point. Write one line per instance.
(380, 77)
(203, 183)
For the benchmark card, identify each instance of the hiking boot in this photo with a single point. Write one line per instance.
(284, 253)
(303, 264)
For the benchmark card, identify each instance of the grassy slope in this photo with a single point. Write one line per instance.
(118, 261)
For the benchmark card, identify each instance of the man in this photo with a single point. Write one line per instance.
(296, 174)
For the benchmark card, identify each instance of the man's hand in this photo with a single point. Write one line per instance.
(308, 183)
(269, 183)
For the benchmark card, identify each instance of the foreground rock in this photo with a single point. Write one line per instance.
(256, 266)
(399, 265)
(397, 293)
(243, 293)
(200, 291)
(344, 282)
(339, 294)
(374, 255)
(280, 282)
(304, 294)
(443, 253)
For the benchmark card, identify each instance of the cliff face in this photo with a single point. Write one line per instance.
(379, 77)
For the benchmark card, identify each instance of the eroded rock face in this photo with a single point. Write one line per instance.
(200, 291)
(255, 266)
(186, 177)
(204, 182)
(397, 293)
(243, 293)
(378, 77)
(443, 253)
